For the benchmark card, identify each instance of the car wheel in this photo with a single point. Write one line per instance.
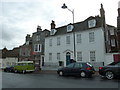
(82, 74)
(23, 71)
(61, 73)
(109, 75)
(15, 71)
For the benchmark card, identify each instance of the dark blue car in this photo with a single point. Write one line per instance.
(9, 69)
(77, 69)
(110, 71)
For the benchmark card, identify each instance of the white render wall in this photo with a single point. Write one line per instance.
(98, 46)
(8, 62)
(54, 49)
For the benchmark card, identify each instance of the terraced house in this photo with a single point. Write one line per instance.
(91, 40)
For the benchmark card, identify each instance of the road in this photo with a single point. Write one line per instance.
(43, 80)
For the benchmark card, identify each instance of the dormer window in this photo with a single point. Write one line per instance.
(53, 31)
(69, 28)
(92, 23)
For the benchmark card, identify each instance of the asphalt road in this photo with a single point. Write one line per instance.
(52, 80)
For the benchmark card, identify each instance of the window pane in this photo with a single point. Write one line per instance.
(78, 38)
(91, 37)
(50, 56)
(70, 65)
(79, 56)
(58, 56)
(92, 56)
(68, 40)
(58, 40)
(50, 42)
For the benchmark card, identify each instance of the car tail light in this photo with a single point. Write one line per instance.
(88, 68)
(100, 67)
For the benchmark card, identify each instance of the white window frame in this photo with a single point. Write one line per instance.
(112, 32)
(58, 56)
(79, 56)
(50, 42)
(79, 39)
(38, 38)
(37, 48)
(58, 41)
(91, 23)
(67, 39)
(91, 36)
(69, 28)
(50, 56)
(92, 56)
(113, 42)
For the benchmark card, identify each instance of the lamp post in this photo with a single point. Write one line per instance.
(65, 7)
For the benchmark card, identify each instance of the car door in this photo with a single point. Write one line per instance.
(117, 68)
(77, 68)
(69, 69)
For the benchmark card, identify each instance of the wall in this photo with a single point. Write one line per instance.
(8, 62)
(98, 46)
(54, 49)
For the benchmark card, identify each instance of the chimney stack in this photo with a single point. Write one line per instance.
(39, 28)
(28, 37)
(53, 25)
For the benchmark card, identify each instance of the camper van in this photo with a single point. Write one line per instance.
(24, 66)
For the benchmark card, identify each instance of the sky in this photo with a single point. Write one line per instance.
(21, 17)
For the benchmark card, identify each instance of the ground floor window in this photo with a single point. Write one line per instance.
(50, 56)
(92, 56)
(79, 56)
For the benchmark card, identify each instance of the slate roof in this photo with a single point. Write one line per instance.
(79, 26)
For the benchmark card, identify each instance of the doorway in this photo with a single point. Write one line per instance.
(68, 57)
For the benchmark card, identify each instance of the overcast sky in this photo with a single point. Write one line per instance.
(21, 17)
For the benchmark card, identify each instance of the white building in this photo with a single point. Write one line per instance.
(84, 41)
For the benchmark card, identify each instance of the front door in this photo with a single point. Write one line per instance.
(68, 56)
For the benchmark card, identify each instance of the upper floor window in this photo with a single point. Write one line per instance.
(92, 56)
(91, 37)
(53, 31)
(113, 42)
(58, 40)
(37, 38)
(112, 32)
(79, 38)
(37, 47)
(91, 23)
(50, 42)
(69, 28)
(67, 39)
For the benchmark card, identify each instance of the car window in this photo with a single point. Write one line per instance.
(70, 65)
(118, 64)
(78, 65)
(30, 63)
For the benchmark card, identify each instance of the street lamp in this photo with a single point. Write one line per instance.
(65, 7)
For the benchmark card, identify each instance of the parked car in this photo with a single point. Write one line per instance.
(9, 69)
(76, 68)
(24, 66)
(110, 71)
